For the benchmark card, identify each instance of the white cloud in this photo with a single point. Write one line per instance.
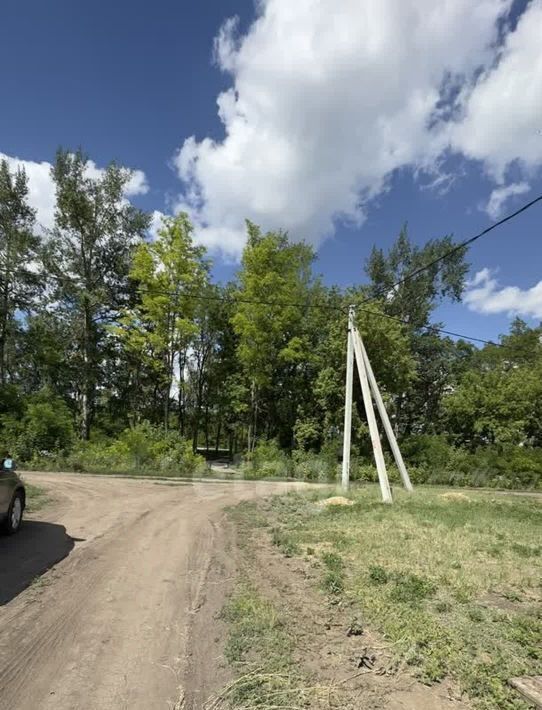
(137, 184)
(327, 100)
(484, 295)
(41, 188)
(503, 112)
(500, 195)
(156, 223)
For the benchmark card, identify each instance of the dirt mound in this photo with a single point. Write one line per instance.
(455, 495)
(336, 500)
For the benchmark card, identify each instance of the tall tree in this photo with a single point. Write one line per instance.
(277, 272)
(88, 258)
(170, 273)
(19, 265)
(415, 299)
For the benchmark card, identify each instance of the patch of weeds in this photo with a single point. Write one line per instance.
(410, 588)
(495, 550)
(526, 630)
(463, 595)
(333, 581)
(253, 622)
(286, 544)
(526, 550)
(355, 628)
(511, 595)
(259, 643)
(472, 552)
(475, 614)
(36, 498)
(248, 513)
(39, 583)
(378, 575)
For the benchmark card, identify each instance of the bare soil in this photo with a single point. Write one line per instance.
(109, 595)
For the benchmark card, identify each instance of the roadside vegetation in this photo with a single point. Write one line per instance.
(119, 353)
(259, 646)
(451, 581)
(36, 498)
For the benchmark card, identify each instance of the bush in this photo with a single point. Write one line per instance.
(45, 428)
(314, 467)
(267, 460)
(426, 450)
(141, 449)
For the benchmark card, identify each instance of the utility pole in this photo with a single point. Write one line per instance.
(348, 401)
(371, 420)
(386, 420)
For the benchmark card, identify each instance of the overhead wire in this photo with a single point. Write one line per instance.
(382, 292)
(458, 247)
(342, 309)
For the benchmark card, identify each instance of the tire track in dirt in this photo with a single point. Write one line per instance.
(109, 627)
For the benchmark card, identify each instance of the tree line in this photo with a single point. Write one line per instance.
(104, 330)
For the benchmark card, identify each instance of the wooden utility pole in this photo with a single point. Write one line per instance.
(348, 401)
(371, 420)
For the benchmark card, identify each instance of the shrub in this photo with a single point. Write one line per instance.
(266, 461)
(314, 467)
(143, 448)
(46, 427)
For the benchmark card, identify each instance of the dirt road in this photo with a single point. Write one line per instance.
(109, 626)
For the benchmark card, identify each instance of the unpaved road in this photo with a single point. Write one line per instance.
(109, 626)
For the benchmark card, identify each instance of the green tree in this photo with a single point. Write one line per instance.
(88, 257)
(273, 273)
(498, 400)
(19, 259)
(46, 426)
(170, 274)
(415, 299)
(419, 408)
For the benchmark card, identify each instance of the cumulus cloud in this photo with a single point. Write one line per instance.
(41, 188)
(327, 100)
(485, 295)
(503, 110)
(156, 223)
(500, 196)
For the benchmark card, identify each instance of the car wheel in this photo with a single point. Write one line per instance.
(15, 514)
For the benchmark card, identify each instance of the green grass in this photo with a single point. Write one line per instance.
(453, 585)
(36, 498)
(260, 647)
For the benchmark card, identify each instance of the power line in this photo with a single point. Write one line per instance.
(431, 327)
(307, 304)
(342, 309)
(454, 250)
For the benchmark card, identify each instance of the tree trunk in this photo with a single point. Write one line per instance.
(251, 417)
(207, 426)
(218, 432)
(87, 394)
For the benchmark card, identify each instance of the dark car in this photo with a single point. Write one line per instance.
(12, 499)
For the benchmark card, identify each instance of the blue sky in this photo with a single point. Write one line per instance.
(339, 135)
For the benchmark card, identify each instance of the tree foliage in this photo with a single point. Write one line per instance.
(119, 350)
